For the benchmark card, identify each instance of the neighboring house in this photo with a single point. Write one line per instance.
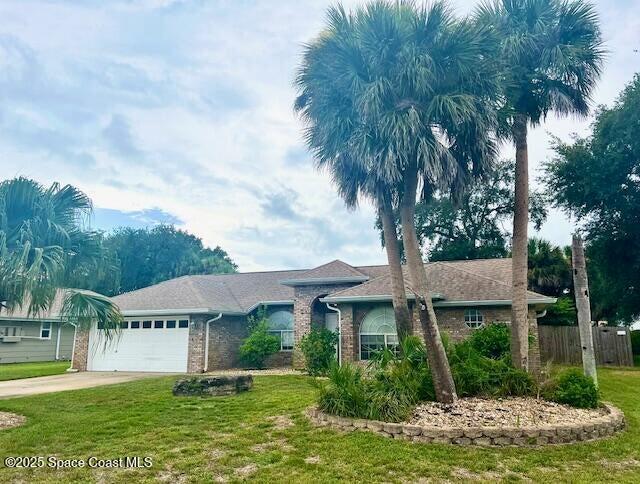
(197, 323)
(39, 337)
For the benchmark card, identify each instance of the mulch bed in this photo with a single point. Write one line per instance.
(503, 412)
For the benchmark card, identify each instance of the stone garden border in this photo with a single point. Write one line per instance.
(599, 427)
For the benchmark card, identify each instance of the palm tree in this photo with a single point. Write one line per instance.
(397, 94)
(44, 248)
(549, 55)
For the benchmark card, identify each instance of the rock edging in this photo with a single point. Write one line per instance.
(599, 427)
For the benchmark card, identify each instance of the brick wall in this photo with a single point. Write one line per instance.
(225, 338)
(81, 351)
(195, 356)
(304, 296)
(450, 321)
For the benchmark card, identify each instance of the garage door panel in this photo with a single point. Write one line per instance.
(143, 349)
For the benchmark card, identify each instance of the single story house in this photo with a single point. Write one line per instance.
(197, 323)
(35, 337)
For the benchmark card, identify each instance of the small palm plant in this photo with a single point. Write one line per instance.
(549, 55)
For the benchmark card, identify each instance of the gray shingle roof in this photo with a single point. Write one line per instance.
(450, 281)
(53, 312)
(334, 271)
(488, 279)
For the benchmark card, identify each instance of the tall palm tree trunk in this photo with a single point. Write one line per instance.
(398, 294)
(519, 307)
(441, 372)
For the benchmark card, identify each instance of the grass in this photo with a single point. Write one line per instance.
(262, 436)
(13, 371)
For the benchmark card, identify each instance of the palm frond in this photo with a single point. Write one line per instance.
(86, 308)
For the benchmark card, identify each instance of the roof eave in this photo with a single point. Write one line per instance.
(441, 303)
(493, 302)
(372, 298)
(323, 280)
(226, 312)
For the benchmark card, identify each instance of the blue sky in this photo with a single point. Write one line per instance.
(180, 112)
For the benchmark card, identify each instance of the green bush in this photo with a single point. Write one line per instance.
(491, 341)
(562, 313)
(572, 387)
(345, 392)
(388, 392)
(635, 342)
(259, 345)
(319, 350)
(476, 374)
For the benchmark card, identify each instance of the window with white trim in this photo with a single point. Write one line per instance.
(377, 332)
(281, 325)
(473, 318)
(45, 330)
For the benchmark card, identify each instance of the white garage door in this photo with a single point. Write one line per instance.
(142, 345)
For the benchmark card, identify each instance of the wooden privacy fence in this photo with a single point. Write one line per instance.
(561, 344)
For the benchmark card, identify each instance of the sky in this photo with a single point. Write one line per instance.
(179, 111)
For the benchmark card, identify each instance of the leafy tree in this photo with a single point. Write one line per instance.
(550, 274)
(44, 248)
(549, 55)
(549, 268)
(473, 228)
(394, 97)
(597, 179)
(149, 256)
(562, 313)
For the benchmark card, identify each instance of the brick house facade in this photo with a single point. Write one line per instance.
(460, 289)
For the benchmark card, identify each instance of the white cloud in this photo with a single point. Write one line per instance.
(185, 107)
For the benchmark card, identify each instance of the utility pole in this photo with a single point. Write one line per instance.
(581, 288)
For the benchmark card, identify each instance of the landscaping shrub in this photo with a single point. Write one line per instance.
(259, 345)
(400, 382)
(573, 388)
(388, 391)
(345, 392)
(492, 341)
(476, 374)
(319, 350)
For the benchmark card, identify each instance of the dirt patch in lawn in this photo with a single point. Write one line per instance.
(504, 412)
(281, 422)
(10, 420)
(278, 444)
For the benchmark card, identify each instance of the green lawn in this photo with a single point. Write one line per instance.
(262, 435)
(13, 371)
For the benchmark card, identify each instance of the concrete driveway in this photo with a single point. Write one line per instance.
(68, 381)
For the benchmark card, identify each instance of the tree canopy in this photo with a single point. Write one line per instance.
(151, 255)
(597, 179)
(476, 226)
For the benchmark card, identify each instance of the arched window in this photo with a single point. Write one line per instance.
(281, 325)
(473, 318)
(378, 331)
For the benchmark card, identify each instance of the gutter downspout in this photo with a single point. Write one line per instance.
(73, 348)
(542, 314)
(335, 308)
(58, 341)
(206, 343)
